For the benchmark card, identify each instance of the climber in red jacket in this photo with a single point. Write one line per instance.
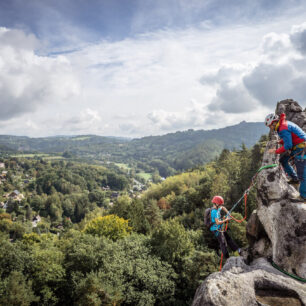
(293, 140)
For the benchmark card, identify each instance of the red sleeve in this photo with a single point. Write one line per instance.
(280, 150)
(281, 141)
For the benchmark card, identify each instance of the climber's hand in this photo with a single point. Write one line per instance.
(272, 151)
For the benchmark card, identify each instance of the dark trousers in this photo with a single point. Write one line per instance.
(300, 163)
(224, 241)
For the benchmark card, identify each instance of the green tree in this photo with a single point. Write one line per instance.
(122, 206)
(47, 271)
(238, 230)
(97, 196)
(153, 213)
(28, 212)
(194, 270)
(137, 218)
(111, 226)
(101, 271)
(92, 290)
(15, 290)
(13, 257)
(171, 242)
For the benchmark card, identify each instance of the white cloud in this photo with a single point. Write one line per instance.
(29, 81)
(86, 121)
(129, 128)
(191, 117)
(17, 39)
(298, 37)
(142, 85)
(276, 48)
(277, 74)
(233, 99)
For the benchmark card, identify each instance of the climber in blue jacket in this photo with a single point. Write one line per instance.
(293, 140)
(223, 237)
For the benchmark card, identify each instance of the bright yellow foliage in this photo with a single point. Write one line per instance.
(110, 226)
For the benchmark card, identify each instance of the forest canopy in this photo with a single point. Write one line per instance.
(68, 241)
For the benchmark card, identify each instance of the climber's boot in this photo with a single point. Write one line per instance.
(294, 181)
(298, 199)
(303, 200)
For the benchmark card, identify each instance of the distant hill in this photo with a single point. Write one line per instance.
(180, 150)
(183, 150)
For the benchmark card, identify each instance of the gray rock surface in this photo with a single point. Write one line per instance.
(279, 212)
(241, 285)
(277, 230)
(293, 111)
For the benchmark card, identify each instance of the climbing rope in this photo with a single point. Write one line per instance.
(289, 274)
(245, 194)
(245, 197)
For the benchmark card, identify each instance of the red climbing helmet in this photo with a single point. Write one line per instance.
(217, 200)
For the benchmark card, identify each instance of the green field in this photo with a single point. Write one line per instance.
(123, 166)
(53, 157)
(81, 138)
(41, 155)
(30, 155)
(145, 175)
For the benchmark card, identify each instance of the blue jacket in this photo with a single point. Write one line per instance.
(215, 214)
(290, 133)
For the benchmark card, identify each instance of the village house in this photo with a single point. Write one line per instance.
(36, 220)
(2, 165)
(15, 195)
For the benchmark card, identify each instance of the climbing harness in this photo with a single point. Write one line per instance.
(245, 197)
(300, 146)
(302, 153)
(289, 274)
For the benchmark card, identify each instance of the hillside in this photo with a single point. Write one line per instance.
(106, 248)
(167, 153)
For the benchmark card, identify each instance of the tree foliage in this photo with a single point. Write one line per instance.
(151, 249)
(110, 226)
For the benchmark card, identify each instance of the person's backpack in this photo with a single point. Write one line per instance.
(207, 217)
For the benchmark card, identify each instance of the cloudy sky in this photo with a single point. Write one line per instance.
(146, 67)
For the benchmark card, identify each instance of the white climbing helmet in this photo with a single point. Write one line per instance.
(270, 119)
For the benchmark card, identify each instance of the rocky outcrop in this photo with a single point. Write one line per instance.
(293, 111)
(280, 217)
(276, 230)
(246, 285)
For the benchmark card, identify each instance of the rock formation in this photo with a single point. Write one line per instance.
(276, 230)
(257, 284)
